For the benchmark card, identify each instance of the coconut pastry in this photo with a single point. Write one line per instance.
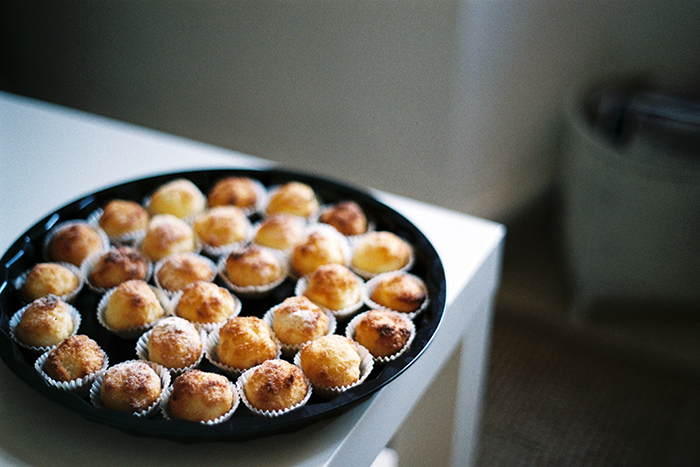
(347, 217)
(180, 198)
(297, 320)
(331, 361)
(132, 386)
(242, 343)
(201, 396)
(123, 219)
(280, 232)
(132, 305)
(321, 246)
(295, 198)
(381, 251)
(222, 226)
(206, 304)
(383, 333)
(334, 287)
(173, 343)
(73, 242)
(274, 386)
(44, 322)
(115, 266)
(165, 236)
(398, 291)
(73, 358)
(73, 365)
(241, 192)
(253, 270)
(179, 270)
(62, 280)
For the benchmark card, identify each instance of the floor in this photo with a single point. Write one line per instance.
(620, 390)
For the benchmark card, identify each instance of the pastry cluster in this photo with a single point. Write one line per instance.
(173, 276)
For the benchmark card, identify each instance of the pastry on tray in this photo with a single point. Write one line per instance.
(180, 198)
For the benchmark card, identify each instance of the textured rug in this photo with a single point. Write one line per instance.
(553, 402)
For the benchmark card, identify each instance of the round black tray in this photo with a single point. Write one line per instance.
(27, 251)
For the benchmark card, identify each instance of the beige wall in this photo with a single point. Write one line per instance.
(450, 102)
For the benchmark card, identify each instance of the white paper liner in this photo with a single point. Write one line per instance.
(350, 334)
(260, 196)
(58, 227)
(370, 285)
(19, 282)
(211, 343)
(128, 239)
(241, 382)
(129, 333)
(272, 190)
(14, 321)
(163, 374)
(236, 402)
(80, 386)
(254, 291)
(89, 264)
(289, 350)
(371, 224)
(142, 351)
(329, 392)
(159, 265)
(370, 274)
(302, 224)
(171, 310)
(328, 231)
(343, 313)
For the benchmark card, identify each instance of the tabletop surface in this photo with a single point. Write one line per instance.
(50, 155)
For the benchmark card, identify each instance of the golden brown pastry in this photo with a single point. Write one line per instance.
(382, 333)
(221, 226)
(253, 266)
(167, 235)
(131, 386)
(45, 322)
(174, 343)
(73, 243)
(401, 292)
(132, 304)
(242, 192)
(122, 217)
(180, 197)
(281, 232)
(331, 361)
(347, 217)
(200, 396)
(118, 265)
(333, 286)
(49, 278)
(295, 198)
(205, 303)
(182, 269)
(276, 385)
(378, 252)
(317, 249)
(73, 358)
(298, 320)
(245, 341)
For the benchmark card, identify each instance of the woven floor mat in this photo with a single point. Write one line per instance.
(556, 403)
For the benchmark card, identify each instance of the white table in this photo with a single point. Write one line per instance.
(51, 155)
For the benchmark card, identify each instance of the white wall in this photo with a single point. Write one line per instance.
(452, 102)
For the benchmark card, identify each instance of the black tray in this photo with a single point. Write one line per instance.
(27, 251)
